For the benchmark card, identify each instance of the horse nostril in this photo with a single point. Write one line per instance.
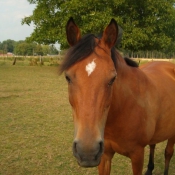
(101, 149)
(101, 145)
(75, 151)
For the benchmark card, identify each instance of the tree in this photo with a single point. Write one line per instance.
(53, 50)
(0, 46)
(148, 25)
(38, 49)
(28, 48)
(24, 48)
(7, 46)
(45, 49)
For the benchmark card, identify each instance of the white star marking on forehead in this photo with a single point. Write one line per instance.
(90, 67)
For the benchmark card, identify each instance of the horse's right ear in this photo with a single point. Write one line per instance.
(72, 32)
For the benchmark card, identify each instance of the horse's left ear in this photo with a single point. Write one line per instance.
(72, 32)
(110, 34)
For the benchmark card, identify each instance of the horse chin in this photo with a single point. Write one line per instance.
(88, 163)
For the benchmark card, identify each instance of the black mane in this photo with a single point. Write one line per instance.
(83, 49)
(130, 62)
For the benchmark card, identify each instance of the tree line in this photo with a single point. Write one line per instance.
(147, 25)
(26, 48)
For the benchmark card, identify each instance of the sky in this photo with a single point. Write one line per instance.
(11, 14)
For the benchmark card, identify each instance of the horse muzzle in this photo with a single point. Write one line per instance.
(88, 155)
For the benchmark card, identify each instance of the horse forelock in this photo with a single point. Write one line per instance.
(82, 50)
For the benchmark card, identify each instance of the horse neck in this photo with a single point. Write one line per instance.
(131, 84)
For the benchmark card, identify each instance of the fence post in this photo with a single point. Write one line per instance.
(14, 62)
(40, 59)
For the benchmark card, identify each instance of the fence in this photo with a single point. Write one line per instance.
(149, 54)
(56, 59)
(31, 60)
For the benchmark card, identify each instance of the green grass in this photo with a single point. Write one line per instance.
(36, 126)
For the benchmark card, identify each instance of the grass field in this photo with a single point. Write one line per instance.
(36, 126)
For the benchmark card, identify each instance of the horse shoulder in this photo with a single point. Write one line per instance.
(162, 77)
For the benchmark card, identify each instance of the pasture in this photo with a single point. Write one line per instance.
(36, 126)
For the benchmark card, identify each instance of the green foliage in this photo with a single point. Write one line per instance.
(148, 25)
(24, 48)
(1, 52)
(53, 50)
(7, 46)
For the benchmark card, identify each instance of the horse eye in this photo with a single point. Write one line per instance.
(112, 81)
(68, 79)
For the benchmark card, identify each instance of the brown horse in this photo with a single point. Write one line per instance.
(117, 107)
